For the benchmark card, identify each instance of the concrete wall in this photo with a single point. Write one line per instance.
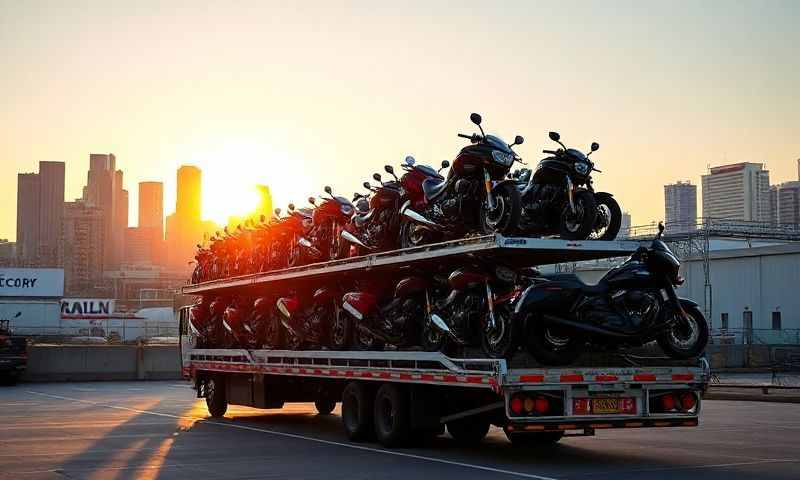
(752, 356)
(102, 362)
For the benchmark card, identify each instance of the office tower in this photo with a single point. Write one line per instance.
(785, 203)
(680, 207)
(51, 211)
(188, 204)
(104, 190)
(738, 192)
(151, 206)
(184, 228)
(81, 247)
(28, 198)
(625, 226)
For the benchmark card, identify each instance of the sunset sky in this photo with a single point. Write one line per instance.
(300, 95)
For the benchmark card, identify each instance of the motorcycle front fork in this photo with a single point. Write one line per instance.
(487, 182)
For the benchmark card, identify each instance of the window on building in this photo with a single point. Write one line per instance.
(776, 320)
(723, 321)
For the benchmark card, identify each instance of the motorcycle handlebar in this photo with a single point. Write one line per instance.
(465, 136)
(551, 152)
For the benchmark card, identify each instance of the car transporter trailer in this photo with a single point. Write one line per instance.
(401, 397)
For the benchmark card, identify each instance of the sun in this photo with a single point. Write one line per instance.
(233, 169)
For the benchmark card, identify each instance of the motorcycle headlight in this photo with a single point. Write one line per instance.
(582, 168)
(504, 159)
(346, 210)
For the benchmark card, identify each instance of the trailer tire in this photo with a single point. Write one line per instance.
(357, 410)
(392, 415)
(216, 400)
(324, 406)
(529, 439)
(468, 431)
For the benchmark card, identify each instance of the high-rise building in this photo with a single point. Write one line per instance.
(625, 225)
(680, 207)
(8, 253)
(785, 203)
(28, 199)
(739, 192)
(51, 211)
(185, 227)
(81, 247)
(104, 190)
(151, 206)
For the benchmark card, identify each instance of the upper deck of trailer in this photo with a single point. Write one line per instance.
(518, 252)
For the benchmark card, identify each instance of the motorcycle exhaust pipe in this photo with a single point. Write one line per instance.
(304, 242)
(353, 239)
(352, 311)
(408, 212)
(586, 328)
(442, 326)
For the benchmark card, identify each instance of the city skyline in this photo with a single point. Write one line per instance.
(329, 97)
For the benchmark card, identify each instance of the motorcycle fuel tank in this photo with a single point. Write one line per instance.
(410, 285)
(462, 279)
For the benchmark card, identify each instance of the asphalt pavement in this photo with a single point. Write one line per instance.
(143, 430)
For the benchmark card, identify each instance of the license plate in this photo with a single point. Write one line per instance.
(602, 406)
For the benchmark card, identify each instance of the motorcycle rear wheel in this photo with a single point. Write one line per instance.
(609, 213)
(501, 341)
(552, 345)
(578, 225)
(341, 330)
(504, 218)
(688, 337)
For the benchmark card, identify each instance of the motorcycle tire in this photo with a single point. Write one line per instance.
(507, 196)
(273, 333)
(682, 344)
(551, 345)
(341, 330)
(607, 202)
(431, 340)
(506, 345)
(365, 341)
(582, 227)
(408, 229)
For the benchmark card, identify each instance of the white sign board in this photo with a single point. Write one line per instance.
(31, 282)
(86, 307)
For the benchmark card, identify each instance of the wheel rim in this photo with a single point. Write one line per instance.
(572, 221)
(387, 414)
(684, 332)
(495, 216)
(496, 335)
(339, 330)
(554, 339)
(413, 234)
(603, 221)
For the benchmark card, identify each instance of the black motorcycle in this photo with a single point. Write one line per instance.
(633, 304)
(474, 197)
(375, 228)
(558, 198)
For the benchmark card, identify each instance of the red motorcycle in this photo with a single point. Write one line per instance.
(314, 320)
(285, 234)
(374, 228)
(324, 241)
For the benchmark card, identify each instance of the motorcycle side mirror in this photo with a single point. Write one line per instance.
(554, 136)
(518, 140)
(367, 185)
(377, 177)
(277, 212)
(595, 146)
(198, 246)
(660, 230)
(389, 169)
(328, 190)
(445, 164)
(312, 200)
(476, 118)
(291, 206)
(262, 218)
(225, 229)
(410, 161)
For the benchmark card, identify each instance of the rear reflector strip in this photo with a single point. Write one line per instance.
(571, 378)
(682, 377)
(644, 377)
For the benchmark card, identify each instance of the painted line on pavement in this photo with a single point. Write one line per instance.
(303, 437)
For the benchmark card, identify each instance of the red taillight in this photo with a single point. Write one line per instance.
(627, 405)
(688, 401)
(516, 405)
(542, 405)
(668, 402)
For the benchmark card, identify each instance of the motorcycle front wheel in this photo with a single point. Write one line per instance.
(578, 225)
(341, 332)
(609, 217)
(500, 341)
(432, 340)
(688, 336)
(413, 235)
(504, 217)
(552, 345)
(273, 333)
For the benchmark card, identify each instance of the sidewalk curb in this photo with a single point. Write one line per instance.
(750, 397)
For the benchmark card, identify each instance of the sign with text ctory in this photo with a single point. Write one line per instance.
(31, 282)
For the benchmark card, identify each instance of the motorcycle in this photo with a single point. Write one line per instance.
(558, 198)
(324, 241)
(238, 332)
(285, 234)
(375, 229)
(199, 323)
(385, 315)
(633, 304)
(475, 305)
(313, 321)
(474, 197)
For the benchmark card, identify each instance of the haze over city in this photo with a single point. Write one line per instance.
(259, 93)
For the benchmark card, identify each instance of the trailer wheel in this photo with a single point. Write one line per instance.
(325, 405)
(525, 439)
(216, 400)
(392, 415)
(468, 431)
(357, 402)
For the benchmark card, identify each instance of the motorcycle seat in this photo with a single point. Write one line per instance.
(574, 281)
(363, 218)
(433, 188)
